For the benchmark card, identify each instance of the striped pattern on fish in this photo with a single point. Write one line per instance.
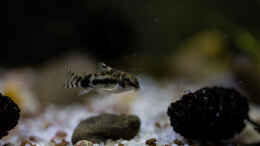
(105, 79)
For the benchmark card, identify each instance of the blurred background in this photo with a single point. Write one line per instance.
(169, 41)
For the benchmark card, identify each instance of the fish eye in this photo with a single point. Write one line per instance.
(103, 65)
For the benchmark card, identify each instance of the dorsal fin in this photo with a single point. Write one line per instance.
(102, 67)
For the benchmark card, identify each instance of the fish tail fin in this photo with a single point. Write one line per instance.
(73, 80)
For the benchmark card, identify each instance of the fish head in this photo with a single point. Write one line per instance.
(131, 82)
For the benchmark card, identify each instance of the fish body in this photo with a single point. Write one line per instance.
(105, 80)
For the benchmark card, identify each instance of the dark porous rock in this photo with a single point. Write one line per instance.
(107, 126)
(9, 115)
(209, 114)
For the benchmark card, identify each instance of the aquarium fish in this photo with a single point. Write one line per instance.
(105, 80)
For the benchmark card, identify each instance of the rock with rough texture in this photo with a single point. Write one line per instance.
(209, 114)
(107, 126)
(9, 115)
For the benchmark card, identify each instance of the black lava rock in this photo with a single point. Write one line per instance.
(107, 126)
(9, 115)
(209, 114)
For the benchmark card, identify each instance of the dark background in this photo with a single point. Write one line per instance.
(40, 30)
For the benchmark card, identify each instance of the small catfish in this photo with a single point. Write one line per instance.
(105, 80)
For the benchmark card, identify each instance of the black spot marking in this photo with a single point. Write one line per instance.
(134, 85)
(122, 84)
(78, 79)
(104, 81)
(85, 82)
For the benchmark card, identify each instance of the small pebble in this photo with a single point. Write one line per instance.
(34, 139)
(120, 144)
(178, 142)
(27, 143)
(107, 126)
(151, 142)
(61, 134)
(157, 124)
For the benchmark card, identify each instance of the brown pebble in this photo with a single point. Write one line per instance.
(157, 124)
(61, 134)
(26, 143)
(33, 139)
(47, 125)
(167, 145)
(120, 144)
(178, 142)
(151, 142)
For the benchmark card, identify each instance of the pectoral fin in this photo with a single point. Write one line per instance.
(111, 88)
(85, 91)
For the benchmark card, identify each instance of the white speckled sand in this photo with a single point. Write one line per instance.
(150, 104)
